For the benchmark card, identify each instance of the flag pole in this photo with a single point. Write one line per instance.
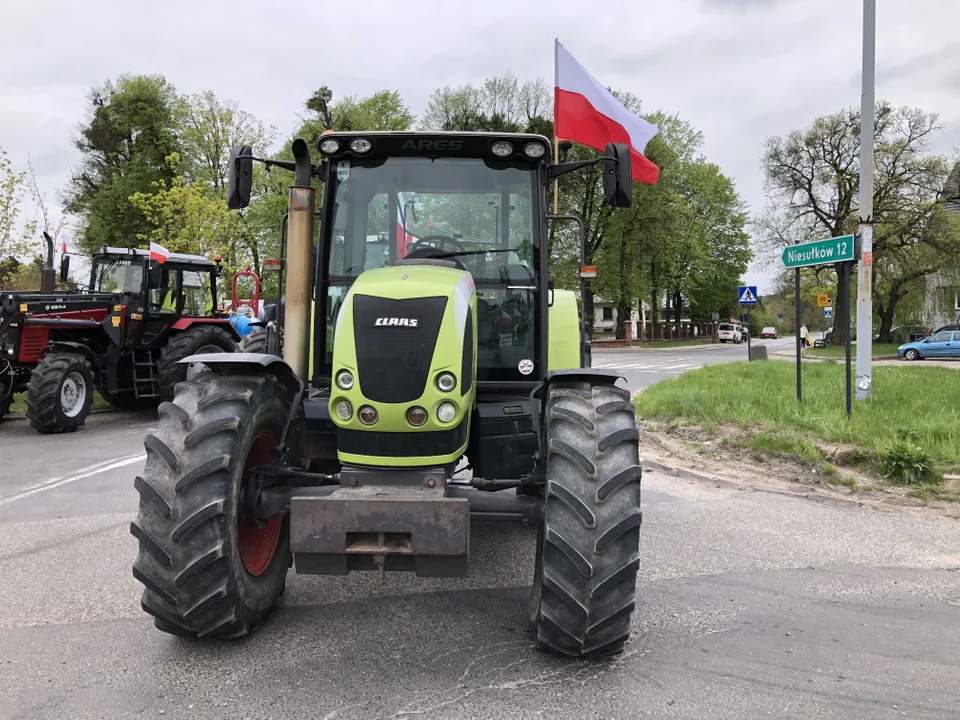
(556, 180)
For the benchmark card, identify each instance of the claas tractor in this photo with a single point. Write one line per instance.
(124, 335)
(427, 374)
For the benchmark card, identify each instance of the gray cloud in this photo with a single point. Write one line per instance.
(739, 70)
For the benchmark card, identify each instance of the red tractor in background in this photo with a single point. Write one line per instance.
(123, 336)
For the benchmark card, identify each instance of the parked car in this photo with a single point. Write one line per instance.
(768, 333)
(938, 345)
(728, 332)
(952, 327)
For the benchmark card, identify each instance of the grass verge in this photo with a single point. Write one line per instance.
(835, 351)
(918, 405)
(19, 407)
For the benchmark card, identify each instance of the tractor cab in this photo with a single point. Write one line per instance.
(183, 285)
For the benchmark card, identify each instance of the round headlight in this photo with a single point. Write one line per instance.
(534, 150)
(360, 145)
(502, 148)
(328, 147)
(367, 415)
(345, 380)
(416, 416)
(446, 381)
(344, 410)
(446, 412)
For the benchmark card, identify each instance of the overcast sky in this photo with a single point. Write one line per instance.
(738, 70)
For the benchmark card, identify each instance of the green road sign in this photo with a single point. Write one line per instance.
(819, 252)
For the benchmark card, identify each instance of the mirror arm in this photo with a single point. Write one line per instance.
(555, 171)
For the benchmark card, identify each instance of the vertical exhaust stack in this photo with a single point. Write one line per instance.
(299, 270)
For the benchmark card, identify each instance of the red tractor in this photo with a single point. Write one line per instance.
(124, 336)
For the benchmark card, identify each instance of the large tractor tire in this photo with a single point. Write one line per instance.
(588, 550)
(196, 340)
(207, 569)
(264, 341)
(60, 393)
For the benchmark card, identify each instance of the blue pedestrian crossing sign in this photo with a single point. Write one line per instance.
(747, 295)
(828, 313)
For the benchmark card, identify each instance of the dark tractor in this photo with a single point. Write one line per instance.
(437, 340)
(124, 336)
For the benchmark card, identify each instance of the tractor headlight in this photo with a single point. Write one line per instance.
(502, 148)
(329, 146)
(368, 415)
(534, 149)
(360, 145)
(446, 381)
(345, 380)
(344, 410)
(446, 412)
(416, 416)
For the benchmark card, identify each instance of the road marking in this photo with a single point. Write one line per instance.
(85, 473)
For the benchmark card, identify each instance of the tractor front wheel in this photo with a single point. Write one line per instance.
(264, 341)
(207, 568)
(60, 393)
(197, 340)
(588, 550)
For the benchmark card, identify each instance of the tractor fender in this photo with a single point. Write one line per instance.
(240, 363)
(79, 349)
(223, 323)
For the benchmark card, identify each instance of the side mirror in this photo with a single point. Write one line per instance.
(153, 275)
(617, 177)
(240, 180)
(64, 268)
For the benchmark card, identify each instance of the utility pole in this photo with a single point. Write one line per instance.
(865, 269)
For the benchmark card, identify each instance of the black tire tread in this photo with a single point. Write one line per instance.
(43, 403)
(194, 584)
(183, 345)
(591, 538)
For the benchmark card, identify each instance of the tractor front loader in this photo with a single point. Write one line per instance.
(427, 374)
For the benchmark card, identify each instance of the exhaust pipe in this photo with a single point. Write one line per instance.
(299, 270)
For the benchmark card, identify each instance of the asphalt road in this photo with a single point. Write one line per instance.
(645, 365)
(749, 605)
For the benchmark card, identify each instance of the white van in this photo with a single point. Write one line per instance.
(728, 332)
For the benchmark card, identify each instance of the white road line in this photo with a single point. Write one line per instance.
(87, 472)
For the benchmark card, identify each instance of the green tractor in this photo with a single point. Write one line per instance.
(425, 334)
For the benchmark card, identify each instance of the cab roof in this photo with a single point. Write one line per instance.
(436, 143)
(180, 258)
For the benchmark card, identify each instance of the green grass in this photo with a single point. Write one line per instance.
(761, 398)
(19, 407)
(838, 351)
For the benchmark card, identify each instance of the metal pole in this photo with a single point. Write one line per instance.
(796, 305)
(865, 271)
(749, 336)
(846, 327)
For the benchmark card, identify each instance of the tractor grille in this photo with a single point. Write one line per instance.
(402, 444)
(393, 361)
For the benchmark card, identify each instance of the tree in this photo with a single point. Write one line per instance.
(499, 104)
(12, 243)
(812, 178)
(130, 132)
(208, 128)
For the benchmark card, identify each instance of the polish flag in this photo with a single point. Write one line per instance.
(63, 244)
(158, 253)
(586, 112)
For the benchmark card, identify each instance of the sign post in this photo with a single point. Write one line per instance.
(747, 295)
(865, 272)
(841, 250)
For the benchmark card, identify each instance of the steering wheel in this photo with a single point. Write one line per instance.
(420, 244)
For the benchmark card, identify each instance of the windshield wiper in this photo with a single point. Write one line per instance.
(459, 253)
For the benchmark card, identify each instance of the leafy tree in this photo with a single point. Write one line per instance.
(812, 179)
(130, 132)
(12, 186)
(499, 104)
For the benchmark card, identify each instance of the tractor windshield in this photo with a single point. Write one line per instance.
(118, 275)
(480, 211)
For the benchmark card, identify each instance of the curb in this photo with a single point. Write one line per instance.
(719, 482)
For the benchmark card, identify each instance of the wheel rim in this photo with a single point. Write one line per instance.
(73, 394)
(258, 545)
(912, 355)
(195, 368)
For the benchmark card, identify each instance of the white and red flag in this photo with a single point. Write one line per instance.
(159, 253)
(584, 111)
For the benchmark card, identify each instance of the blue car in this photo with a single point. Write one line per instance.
(938, 345)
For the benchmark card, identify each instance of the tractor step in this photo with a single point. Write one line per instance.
(144, 380)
